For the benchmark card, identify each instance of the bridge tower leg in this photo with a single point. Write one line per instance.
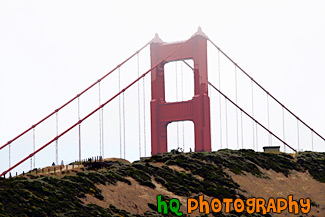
(196, 110)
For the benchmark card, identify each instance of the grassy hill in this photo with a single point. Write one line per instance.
(118, 188)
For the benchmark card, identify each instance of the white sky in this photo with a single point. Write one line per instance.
(51, 50)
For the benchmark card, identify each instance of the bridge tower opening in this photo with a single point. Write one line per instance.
(197, 109)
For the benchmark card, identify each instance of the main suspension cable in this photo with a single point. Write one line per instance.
(77, 96)
(219, 50)
(93, 112)
(243, 111)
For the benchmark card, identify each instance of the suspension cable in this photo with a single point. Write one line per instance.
(77, 96)
(236, 109)
(220, 115)
(139, 111)
(57, 140)
(243, 111)
(93, 112)
(219, 50)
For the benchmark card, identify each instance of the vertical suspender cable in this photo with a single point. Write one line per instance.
(79, 129)
(100, 122)
(139, 112)
(124, 124)
(177, 101)
(57, 140)
(34, 147)
(119, 109)
(268, 118)
(253, 123)
(298, 134)
(312, 141)
(31, 158)
(236, 108)
(182, 98)
(220, 99)
(242, 133)
(31, 163)
(283, 128)
(102, 111)
(226, 110)
(9, 155)
(144, 117)
(256, 136)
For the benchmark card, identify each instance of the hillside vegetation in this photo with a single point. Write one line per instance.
(90, 192)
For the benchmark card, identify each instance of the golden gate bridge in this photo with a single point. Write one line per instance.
(210, 103)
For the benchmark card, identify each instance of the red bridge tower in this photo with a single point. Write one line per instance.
(196, 109)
